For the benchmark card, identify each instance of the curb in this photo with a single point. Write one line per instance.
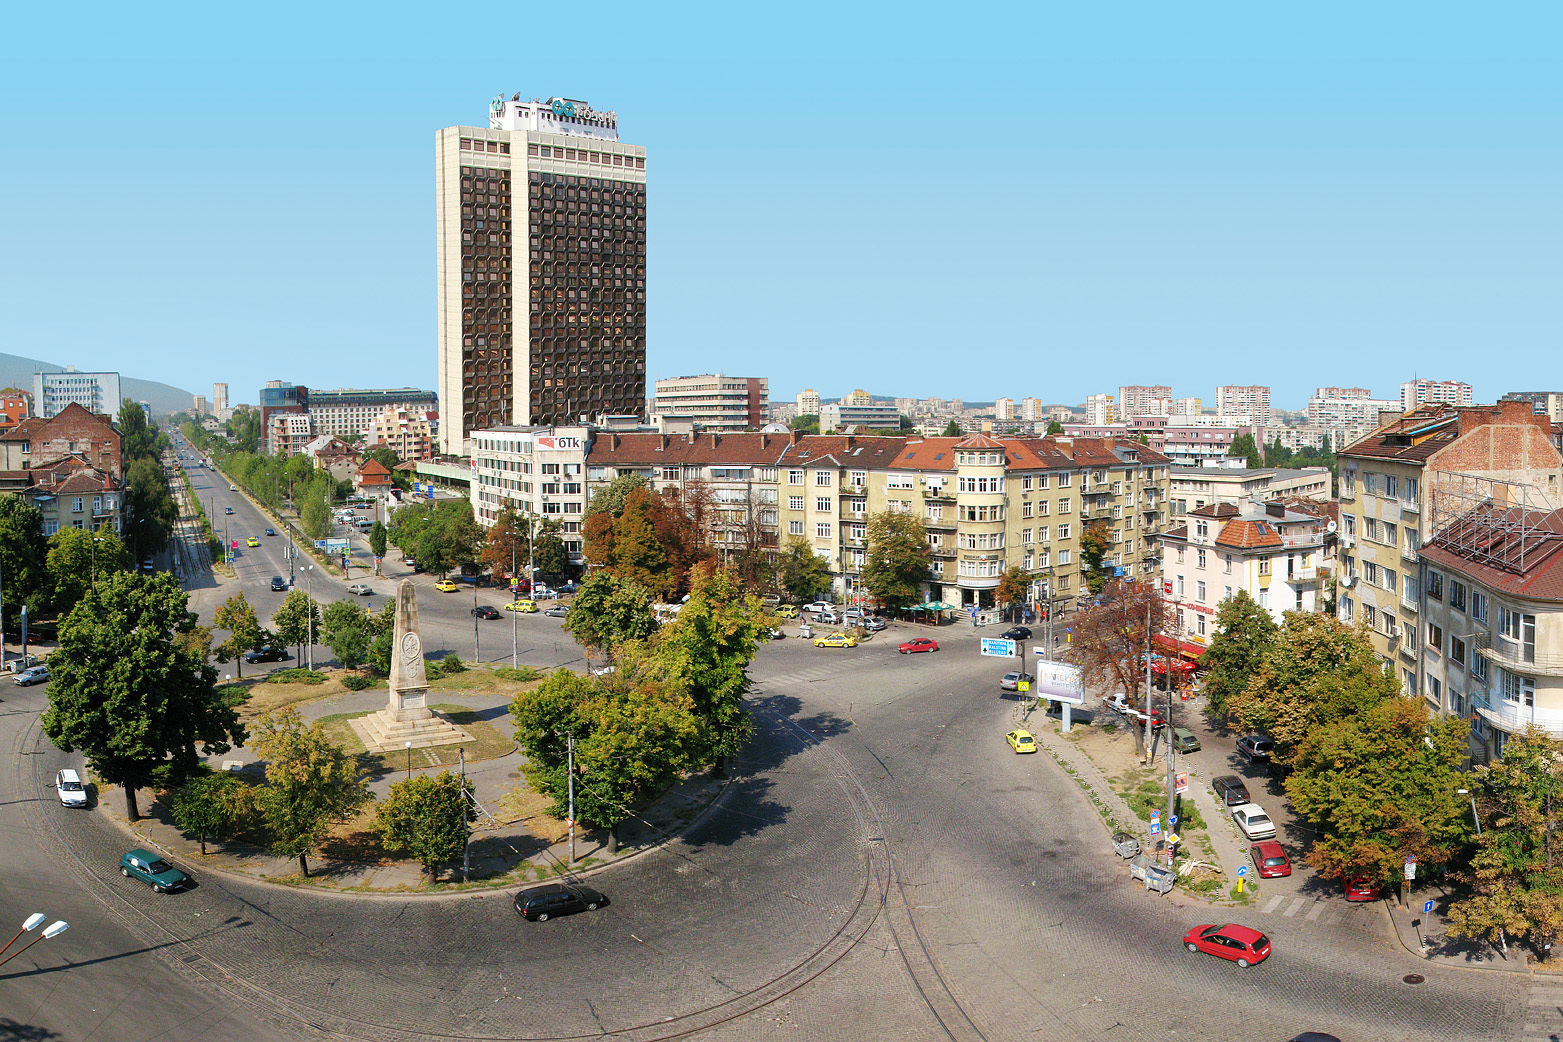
(465, 889)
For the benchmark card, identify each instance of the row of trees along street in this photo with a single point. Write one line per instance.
(1379, 777)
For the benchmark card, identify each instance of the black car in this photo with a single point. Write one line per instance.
(1016, 633)
(278, 583)
(1255, 746)
(483, 611)
(266, 654)
(1230, 790)
(539, 903)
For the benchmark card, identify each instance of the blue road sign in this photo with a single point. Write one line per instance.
(1242, 870)
(1172, 820)
(1155, 815)
(1428, 907)
(997, 648)
(1155, 827)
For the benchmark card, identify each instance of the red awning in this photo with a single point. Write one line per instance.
(1182, 647)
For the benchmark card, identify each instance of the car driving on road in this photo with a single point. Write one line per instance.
(483, 611)
(557, 611)
(918, 644)
(278, 583)
(360, 590)
(70, 790)
(836, 640)
(1016, 633)
(1238, 943)
(153, 870)
(1021, 740)
(266, 654)
(29, 677)
(541, 903)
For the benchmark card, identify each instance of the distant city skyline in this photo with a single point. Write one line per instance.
(1254, 200)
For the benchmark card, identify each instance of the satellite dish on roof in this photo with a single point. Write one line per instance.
(1330, 528)
(1348, 582)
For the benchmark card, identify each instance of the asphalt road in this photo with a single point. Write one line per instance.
(881, 867)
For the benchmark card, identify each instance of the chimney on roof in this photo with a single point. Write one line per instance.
(796, 436)
(851, 441)
(1064, 445)
(713, 439)
(613, 441)
(1274, 509)
(693, 437)
(663, 438)
(987, 426)
(765, 440)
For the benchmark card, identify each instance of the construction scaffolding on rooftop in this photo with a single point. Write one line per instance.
(1491, 521)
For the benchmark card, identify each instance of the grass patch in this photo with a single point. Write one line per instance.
(1208, 885)
(341, 733)
(296, 676)
(524, 675)
(1109, 727)
(358, 681)
(490, 742)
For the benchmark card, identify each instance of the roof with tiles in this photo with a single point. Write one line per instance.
(1248, 534)
(1415, 436)
(850, 451)
(979, 441)
(753, 448)
(1536, 574)
(1219, 511)
(25, 430)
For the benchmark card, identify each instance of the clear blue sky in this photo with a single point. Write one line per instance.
(915, 199)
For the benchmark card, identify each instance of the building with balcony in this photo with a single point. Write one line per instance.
(1195, 487)
(1280, 556)
(1253, 400)
(1492, 623)
(407, 431)
(1099, 409)
(715, 402)
(96, 392)
(539, 472)
(858, 409)
(1404, 482)
(1416, 393)
(1140, 400)
(1348, 407)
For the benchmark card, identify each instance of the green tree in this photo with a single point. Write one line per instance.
(295, 619)
(378, 540)
(213, 805)
(297, 471)
(130, 696)
(383, 455)
(1095, 539)
(704, 655)
(1244, 635)
(550, 557)
(315, 508)
(504, 550)
(638, 554)
(1380, 786)
(23, 558)
(1110, 638)
(1316, 672)
(951, 430)
(808, 423)
(382, 629)
(346, 628)
(630, 744)
(1516, 875)
(426, 817)
(149, 506)
(75, 556)
(1243, 446)
(804, 574)
(609, 611)
(237, 616)
(310, 784)
(896, 568)
(1054, 427)
(609, 499)
(1013, 588)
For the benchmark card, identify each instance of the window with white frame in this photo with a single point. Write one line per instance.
(1199, 591)
(823, 505)
(1478, 668)
(1479, 606)
(794, 502)
(795, 477)
(794, 527)
(1063, 559)
(1456, 595)
(824, 478)
(822, 530)
(1435, 638)
(1063, 531)
(1456, 650)
(1517, 690)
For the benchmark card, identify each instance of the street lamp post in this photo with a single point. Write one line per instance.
(515, 656)
(35, 920)
(309, 622)
(1474, 816)
(409, 761)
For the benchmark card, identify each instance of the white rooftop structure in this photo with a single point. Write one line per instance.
(554, 116)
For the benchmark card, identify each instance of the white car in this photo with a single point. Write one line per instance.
(1254, 822)
(823, 607)
(68, 786)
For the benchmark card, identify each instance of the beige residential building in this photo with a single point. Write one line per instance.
(1099, 409)
(1004, 409)
(1140, 400)
(808, 403)
(1195, 487)
(1414, 393)
(404, 429)
(1390, 483)
(1253, 400)
(1031, 409)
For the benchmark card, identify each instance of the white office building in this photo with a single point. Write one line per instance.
(538, 471)
(95, 392)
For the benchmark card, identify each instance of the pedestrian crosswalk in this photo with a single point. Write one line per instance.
(1312, 909)
(823, 671)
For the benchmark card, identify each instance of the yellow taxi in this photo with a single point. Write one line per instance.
(446, 586)
(787, 611)
(1021, 741)
(521, 605)
(252, 541)
(837, 640)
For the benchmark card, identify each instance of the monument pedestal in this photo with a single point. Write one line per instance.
(407, 719)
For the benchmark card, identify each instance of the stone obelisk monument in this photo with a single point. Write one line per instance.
(407, 716)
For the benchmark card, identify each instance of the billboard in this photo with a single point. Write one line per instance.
(1059, 681)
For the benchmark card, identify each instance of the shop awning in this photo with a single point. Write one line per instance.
(1187, 649)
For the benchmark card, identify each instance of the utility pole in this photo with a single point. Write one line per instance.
(477, 653)
(570, 780)
(1148, 706)
(515, 657)
(462, 753)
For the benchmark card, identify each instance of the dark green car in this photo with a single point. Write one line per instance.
(153, 870)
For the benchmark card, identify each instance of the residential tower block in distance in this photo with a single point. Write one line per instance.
(1422, 392)
(541, 268)
(1144, 401)
(1253, 400)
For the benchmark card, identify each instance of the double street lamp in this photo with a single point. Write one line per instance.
(32, 923)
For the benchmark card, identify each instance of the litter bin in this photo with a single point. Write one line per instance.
(1125, 845)
(1155, 877)
(806, 632)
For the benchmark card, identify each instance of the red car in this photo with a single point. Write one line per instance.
(1240, 944)
(920, 644)
(1360, 888)
(1270, 860)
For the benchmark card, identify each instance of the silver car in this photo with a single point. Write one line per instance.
(1011, 680)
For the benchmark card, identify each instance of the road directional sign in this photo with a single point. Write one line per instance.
(1242, 870)
(1172, 820)
(996, 648)
(1427, 907)
(1155, 827)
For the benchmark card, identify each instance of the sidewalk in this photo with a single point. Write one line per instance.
(1430, 941)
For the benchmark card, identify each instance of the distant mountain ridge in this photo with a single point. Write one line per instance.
(16, 371)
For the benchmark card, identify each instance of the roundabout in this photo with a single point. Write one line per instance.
(881, 865)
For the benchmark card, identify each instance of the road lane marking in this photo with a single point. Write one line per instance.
(1294, 908)
(1313, 913)
(1274, 903)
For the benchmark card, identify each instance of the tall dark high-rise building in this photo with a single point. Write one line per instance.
(541, 228)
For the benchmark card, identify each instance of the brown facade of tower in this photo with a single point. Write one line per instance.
(541, 229)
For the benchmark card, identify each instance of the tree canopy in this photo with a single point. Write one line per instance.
(310, 783)
(237, 616)
(609, 499)
(951, 430)
(803, 573)
(129, 695)
(24, 570)
(75, 556)
(425, 817)
(896, 568)
(346, 628)
(1243, 447)
(1316, 671)
(1243, 637)
(608, 611)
